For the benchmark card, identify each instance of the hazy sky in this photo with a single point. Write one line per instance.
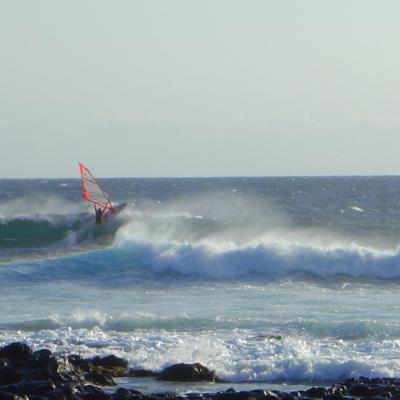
(199, 88)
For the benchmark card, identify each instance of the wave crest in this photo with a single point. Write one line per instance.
(229, 261)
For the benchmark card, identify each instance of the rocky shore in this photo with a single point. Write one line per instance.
(41, 375)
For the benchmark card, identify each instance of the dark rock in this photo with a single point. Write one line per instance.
(109, 366)
(9, 389)
(385, 389)
(287, 396)
(297, 394)
(317, 392)
(35, 397)
(164, 396)
(66, 372)
(335, 392)
(125, 394)
(42, 374)
(306, 398)
(57, 394)
(68, 389)
(12, 396)
(93, 393)
(266, 394)
(360, 389)
(188, 373)
(16, 351)
(9, 375)
(110, 361)
(36, 388)
(141, 373)
(243, 395)
(267, 336)
(78, 361)
(41, 359)
(58, 370)
(42, 354)
(228, 395)
(194, 396)
(333, 396)
(75, 359)
(100, 379)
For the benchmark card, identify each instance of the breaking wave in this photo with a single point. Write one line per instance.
(146, 321)
(235, 356)
(128, 263)
(187, 241)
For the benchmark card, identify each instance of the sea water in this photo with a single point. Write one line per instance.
(268, 281)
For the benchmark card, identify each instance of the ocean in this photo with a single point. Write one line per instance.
(271, 282)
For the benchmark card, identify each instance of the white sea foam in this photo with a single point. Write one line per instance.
(355, 208)
(233, 355)
(223, 260)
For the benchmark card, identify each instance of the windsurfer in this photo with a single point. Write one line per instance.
(91, 191)
(99, 213)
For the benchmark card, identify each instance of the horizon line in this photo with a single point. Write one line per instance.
(213, 177)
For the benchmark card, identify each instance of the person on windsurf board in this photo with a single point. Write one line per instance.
(92, 192)
(99, 213)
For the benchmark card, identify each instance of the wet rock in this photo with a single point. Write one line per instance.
(316, 392)
(287, 396)
(99, 378)
(306, 398)
(267, 336)
(110, 361)
(79, 362)
(9, 375)
(41, 359)
(243, 395)
(188, 373)
(42, 374)
(36, 388)
(75, 359)
(266, 394)
(68, 389)
(109, 367)
(360, 390)
(56, 395)
(12, 396)
(194, 396)
(164, 396)
(141, 373)
(93, 393)
(125, 394)
(231, 394)
(335, 396)
(58, 370)
(16, 351)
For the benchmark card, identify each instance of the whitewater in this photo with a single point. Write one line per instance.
(268, 281)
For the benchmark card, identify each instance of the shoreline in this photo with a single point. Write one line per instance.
(38, 375)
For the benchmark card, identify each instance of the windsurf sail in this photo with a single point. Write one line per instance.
(91, 191)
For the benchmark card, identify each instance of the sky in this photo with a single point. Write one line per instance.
(199, 88)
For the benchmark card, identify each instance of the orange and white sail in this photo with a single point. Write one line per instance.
(91, 191)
